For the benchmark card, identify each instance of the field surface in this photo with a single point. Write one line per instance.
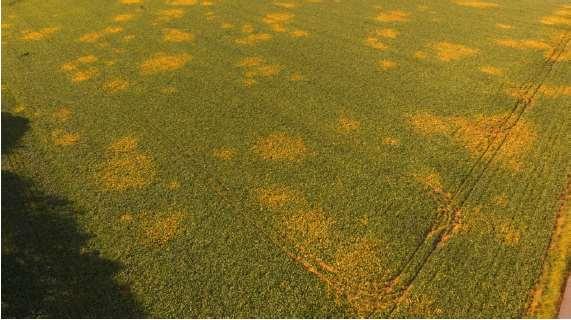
(287, 158)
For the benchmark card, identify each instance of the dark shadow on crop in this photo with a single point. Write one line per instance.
(13, 128)
(45, 272)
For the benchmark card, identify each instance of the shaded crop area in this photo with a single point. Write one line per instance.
(295, 158)
(45, 272)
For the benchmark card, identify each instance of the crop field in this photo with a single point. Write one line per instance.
(285, 158)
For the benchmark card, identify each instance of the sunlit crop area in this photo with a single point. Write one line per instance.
(286, 158)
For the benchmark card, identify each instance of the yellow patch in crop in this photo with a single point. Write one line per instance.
(247, 28)
(563, 12)
(226, 25)
(477, 134)
(124, 17)
(39, 34)
(556, 20)
(74, 64)
(508, 234)
(363, 220)
(90, 37)
(163, 229)
(299, 33)
(19, 109)
(254, 38)
(115, 85)
(248, 82)
(126, 218)
(429, 124)
(62, 114)
(359, 268)
(251, 62)
(278, 17)
(128, 170)
(391, 141)
(501, 200)
(474, 135)
(421, 305)
(280, 146)
(521, 95)
(476, 221)
(385, 65)
(163, 62)
(125, 144)
(181, 2)
(173, 185)
(256, 67)
(225, 153)
(276, 197)
(375, 43)
(278, 27)
(108, 31)
(494, 71)
(118, 50)
(87, 59)
(308, 227)
(476, 4)
(268, 70)
(346, 124)
(130, 1)
(251, 73)
(296, 76)
(552, 91)
(277, 20)
(168, 90)
(448, 51)
(523, 44)
(560, 57)
(176, 35)
(361, 262)
(387, 33)
(393, 16)
(430, 179)
(84, 75)
(170, 14)
(125, 167)
(421, 55)
(95, 36)
(286, 5)
(504, 26)
(64, 138)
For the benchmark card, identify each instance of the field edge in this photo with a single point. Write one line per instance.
(546, 296)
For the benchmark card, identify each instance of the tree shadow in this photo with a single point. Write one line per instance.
(45, 272)
(13, 128)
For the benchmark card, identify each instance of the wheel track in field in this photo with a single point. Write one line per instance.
(461, 195)
(394, 288)
(230, 198)
(534, 303)
(452, 205)
(535, 174)
(314, 264)
(324, 271)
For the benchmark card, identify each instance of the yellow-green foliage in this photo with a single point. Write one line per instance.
(548, 290)
(284, 158)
